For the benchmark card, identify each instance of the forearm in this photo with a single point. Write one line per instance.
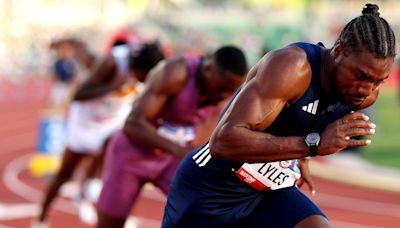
(144, 133)
(92, 91)
(244, 145)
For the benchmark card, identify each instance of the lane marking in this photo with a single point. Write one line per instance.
(374, 179)
(14, 184)
(357, 205)
(18, 210)
(28, 210)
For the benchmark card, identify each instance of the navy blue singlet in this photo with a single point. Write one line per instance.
(207, 193)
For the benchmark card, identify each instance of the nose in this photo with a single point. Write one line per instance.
(366, 89)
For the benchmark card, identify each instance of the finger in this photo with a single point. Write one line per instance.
(311, 187)
(360, 124)
(358, 142)
(360, 132)
(310, 184)
(355, 116)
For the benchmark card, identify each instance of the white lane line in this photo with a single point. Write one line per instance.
(138, 222)
(11, 180)
(17, 210)
(14, 184)
(377, 178)
(357, 205)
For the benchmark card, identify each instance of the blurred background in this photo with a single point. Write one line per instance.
(28, 28)
(196, 26)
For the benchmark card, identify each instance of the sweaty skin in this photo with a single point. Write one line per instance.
(159, 88)
(102, 81)
(164, 82)
(278, 80)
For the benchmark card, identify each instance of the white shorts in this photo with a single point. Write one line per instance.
(86, 134)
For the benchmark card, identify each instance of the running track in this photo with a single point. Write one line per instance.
(20, 111)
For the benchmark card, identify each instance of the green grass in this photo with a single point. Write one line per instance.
(385, 147)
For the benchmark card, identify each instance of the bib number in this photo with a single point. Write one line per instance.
(177, 133)
(269, 176)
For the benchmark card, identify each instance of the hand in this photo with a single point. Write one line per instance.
(337, 135)
(305, 175)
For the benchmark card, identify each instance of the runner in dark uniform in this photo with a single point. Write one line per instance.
(296, 102)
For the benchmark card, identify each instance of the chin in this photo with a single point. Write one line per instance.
(346, 101)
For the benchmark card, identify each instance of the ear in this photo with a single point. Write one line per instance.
(338, 51)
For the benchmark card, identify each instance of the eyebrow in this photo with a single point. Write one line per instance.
(359, 71)
(369, 76)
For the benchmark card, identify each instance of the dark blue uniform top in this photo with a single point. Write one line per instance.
(207, 193)
(314, 110)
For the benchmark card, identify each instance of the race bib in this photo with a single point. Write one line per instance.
(269, 176)
(181, 134)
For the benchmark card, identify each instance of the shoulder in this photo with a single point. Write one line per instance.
(169, 75)
(285, 71)
(288, 58)
(176, 67)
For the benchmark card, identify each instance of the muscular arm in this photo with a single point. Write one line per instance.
(276, 81)
(165, 81)
(102, 80)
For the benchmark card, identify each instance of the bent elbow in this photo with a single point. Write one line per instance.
(131, 123)
(217, 149)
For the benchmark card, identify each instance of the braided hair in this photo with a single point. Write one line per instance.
(369, 31)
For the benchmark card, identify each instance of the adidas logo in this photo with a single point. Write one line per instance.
(311, 107)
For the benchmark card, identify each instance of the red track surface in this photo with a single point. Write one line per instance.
(345, 205)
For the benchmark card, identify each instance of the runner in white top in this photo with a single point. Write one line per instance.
(100, 107)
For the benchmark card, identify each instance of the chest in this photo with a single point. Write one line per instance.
(309, 114)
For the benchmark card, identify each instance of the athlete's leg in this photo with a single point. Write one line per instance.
(116, 200)
(164, 181)
(93, 175)
(127, 167)
(96, 166)
(106, 220)
(121, 187)
(287, 207)
(90, 191)
(70, 161)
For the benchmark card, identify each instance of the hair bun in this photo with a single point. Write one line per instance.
(371, 9)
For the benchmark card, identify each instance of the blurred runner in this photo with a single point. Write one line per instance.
(72, 62)
(180, 95)
(64, 72)
(100, 107)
